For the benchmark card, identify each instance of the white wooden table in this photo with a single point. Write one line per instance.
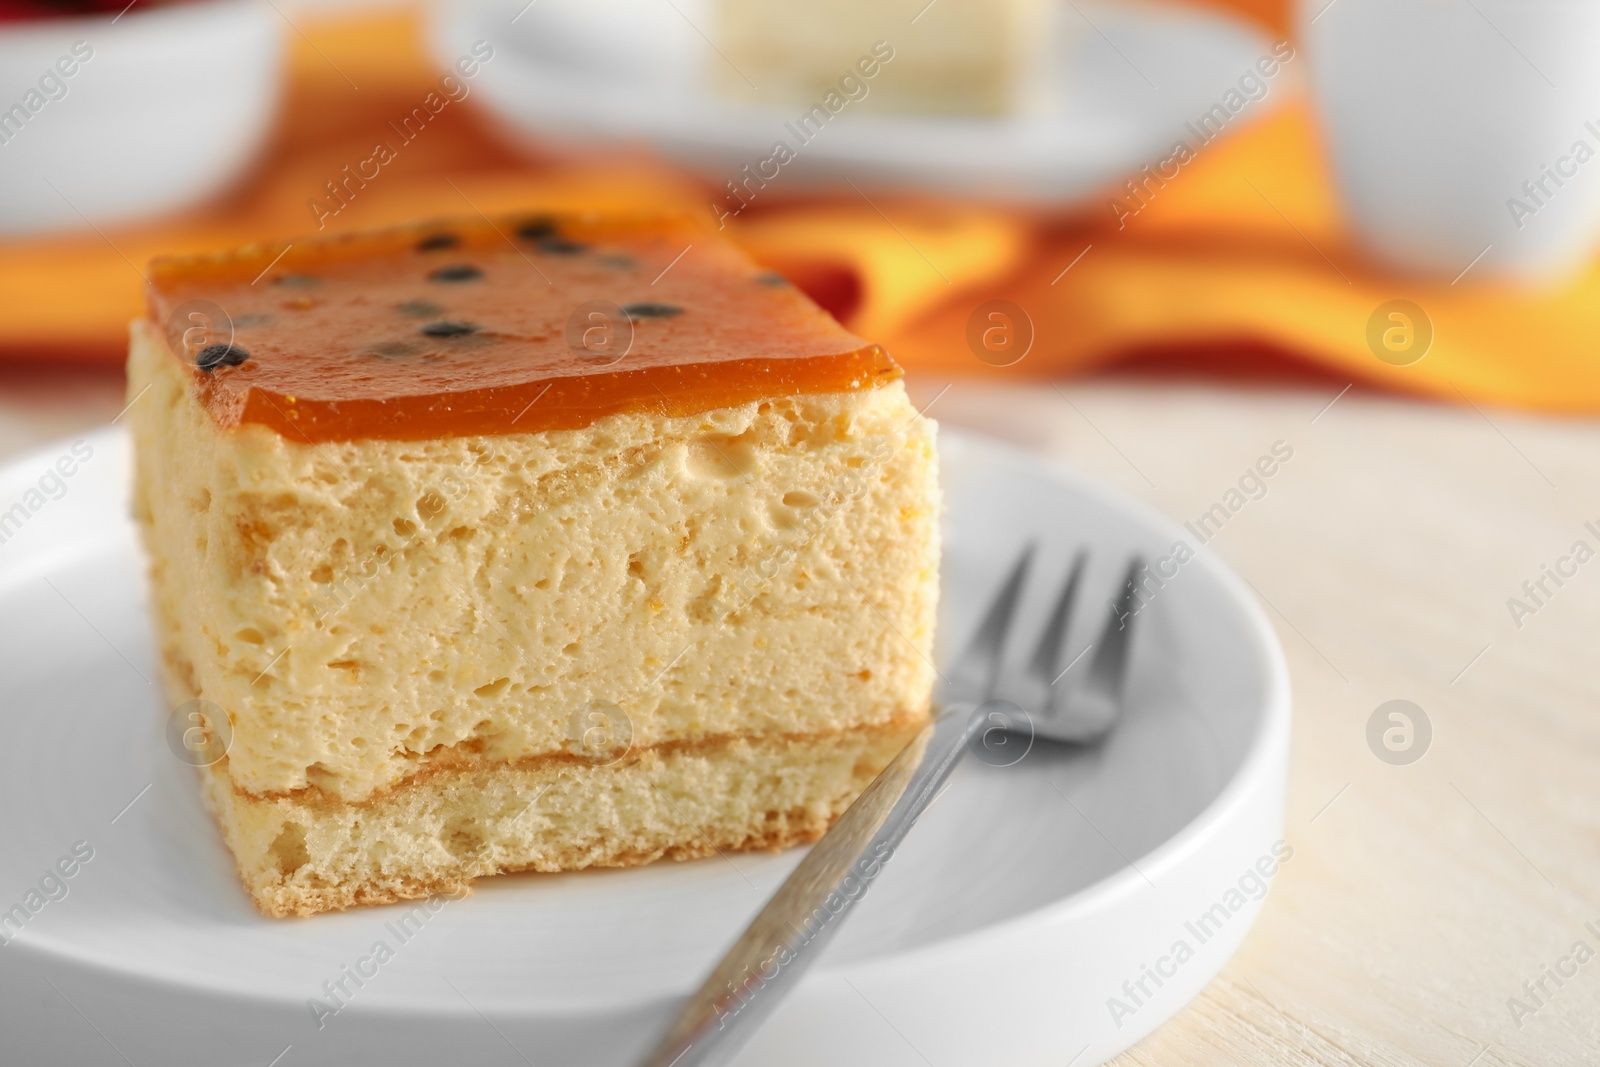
(1421, 897)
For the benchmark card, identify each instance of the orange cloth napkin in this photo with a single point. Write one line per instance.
(1244, 251)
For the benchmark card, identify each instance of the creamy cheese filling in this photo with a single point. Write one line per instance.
(366, 609)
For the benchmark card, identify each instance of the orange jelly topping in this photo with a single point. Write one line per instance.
(473, 326)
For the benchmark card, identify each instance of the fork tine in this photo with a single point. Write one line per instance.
(1089, 710)
(979, 666)
(1052, 643)
(1106, 669)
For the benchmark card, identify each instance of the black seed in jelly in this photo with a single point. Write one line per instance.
(447, 329)
(437, 241)
(296, 281)
(459, 272)
(422, 309)
(560, 246)
(649, 310)
(616, 262)
(394, 349)
(211, 357)
(537, 229)
(772, 278)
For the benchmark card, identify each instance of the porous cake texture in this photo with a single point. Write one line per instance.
(652, 636)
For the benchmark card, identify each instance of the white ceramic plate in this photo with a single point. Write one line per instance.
(1017, 909)
(1124, 79)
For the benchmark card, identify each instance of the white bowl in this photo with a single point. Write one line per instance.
(1009, 929)
(162, 108)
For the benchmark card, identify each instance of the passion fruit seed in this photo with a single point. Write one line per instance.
(211, 357)
(447, 329)
(459, 272)
(296, 281)
(537, 229)
(618, 262)
(772, 278)
(649, 310)
(422, 309)
(437, 241)
(560, 246)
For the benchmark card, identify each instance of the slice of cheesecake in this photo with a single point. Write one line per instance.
(534, 544)
(950, 57)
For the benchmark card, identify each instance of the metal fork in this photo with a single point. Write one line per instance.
(782, 941)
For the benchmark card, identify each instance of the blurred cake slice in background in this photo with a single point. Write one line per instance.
(945, 57)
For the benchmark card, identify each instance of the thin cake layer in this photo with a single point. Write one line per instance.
(299, 855)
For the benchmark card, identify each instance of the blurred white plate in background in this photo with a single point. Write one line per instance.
(1127, 78)
(1013, 914)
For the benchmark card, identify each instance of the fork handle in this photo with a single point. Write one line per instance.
(786, 937)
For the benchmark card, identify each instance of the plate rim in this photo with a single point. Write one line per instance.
(1266, 737)
(1096, 148)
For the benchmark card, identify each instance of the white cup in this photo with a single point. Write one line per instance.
(1463, 133)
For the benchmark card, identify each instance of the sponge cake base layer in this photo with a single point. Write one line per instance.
(308, 852)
